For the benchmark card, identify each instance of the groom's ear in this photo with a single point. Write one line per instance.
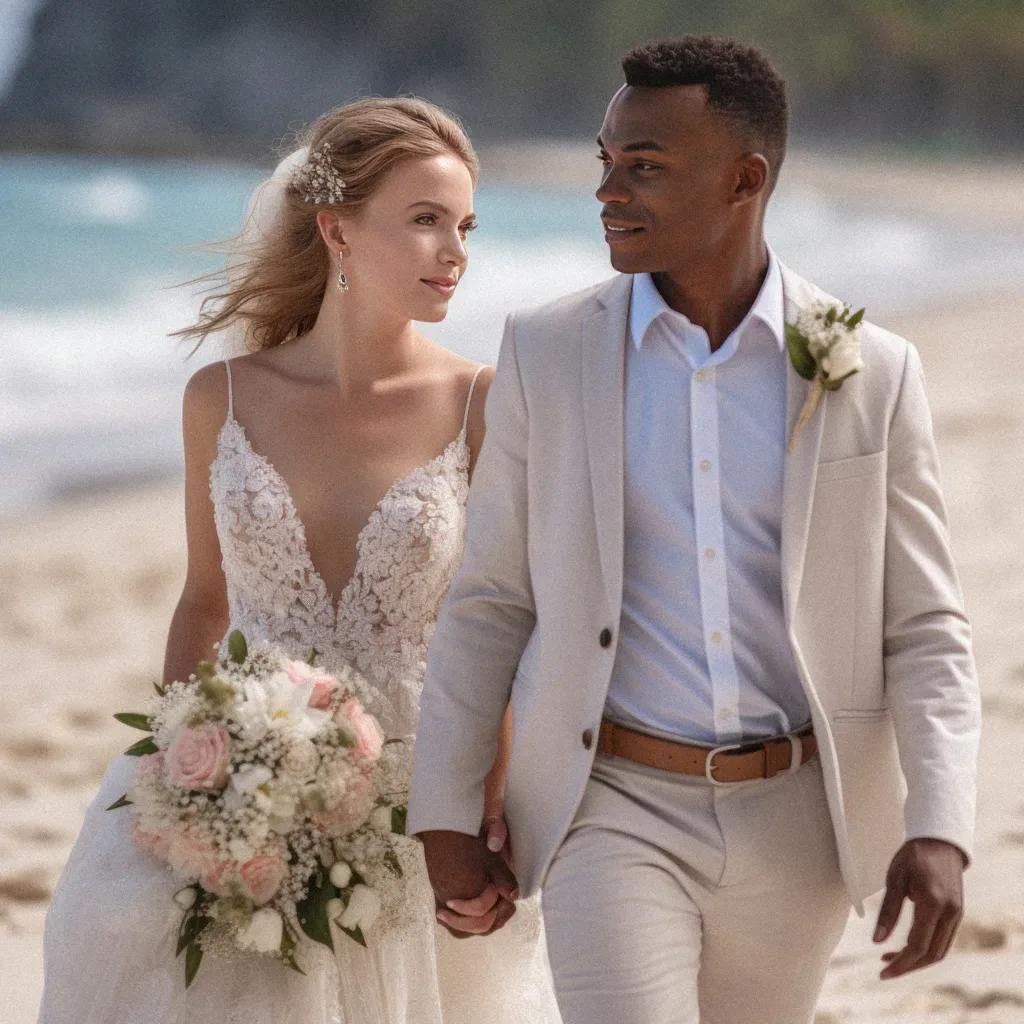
(332, 230)
(753, 174)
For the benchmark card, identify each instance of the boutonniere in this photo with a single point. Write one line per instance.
(824, 348)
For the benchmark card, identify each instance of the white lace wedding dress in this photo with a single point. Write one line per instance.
(111, 928)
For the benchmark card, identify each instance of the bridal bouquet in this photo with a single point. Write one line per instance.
(267, 789)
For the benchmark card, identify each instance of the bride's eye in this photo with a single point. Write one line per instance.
(466, 228)
(427, 219)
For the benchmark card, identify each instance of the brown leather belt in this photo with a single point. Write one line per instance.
(736, 762)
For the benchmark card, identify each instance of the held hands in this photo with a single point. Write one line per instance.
(473, 884)
(928, 872)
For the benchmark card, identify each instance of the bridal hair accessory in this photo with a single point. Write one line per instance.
(824, 348)
(317, 180)
(342, 279)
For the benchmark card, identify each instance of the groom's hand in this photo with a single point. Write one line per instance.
(929, 873)
(474, 887)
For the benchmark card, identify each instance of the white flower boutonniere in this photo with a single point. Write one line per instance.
(824, 348)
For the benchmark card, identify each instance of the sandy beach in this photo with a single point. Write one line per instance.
(87, 590)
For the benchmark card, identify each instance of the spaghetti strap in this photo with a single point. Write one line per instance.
(469, 398)
(231, 403)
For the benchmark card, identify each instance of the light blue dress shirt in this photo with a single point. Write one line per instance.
(703, 653)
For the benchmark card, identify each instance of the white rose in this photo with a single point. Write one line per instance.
(362, 910)
(263, 932)
(380, 819)
(843, 358)
(302, 759)
(341, 874)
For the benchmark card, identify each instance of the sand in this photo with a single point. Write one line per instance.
(87, 590)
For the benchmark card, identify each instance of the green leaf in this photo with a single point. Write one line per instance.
(146, 746)
(313, 655)
(192, 926)
(392, 861)
(312, 911)
(193, 958)
(355, 933)
(135, 721)
(800, 353)
(855, 319)
(831, 314)
(121, 801)
(399, 819)
(160, 690)
(238, 649)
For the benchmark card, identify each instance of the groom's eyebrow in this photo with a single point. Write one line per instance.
(634, 147)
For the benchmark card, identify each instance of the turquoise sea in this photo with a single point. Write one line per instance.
(90, 250)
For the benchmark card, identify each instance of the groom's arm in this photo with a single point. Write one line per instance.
(932, 688)
(483, 627)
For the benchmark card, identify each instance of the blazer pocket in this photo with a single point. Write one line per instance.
(851, 469)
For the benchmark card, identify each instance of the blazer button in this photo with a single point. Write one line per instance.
(588, 739)
(606, 637)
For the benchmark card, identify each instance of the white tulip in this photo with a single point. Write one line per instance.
(341, 874)
(263, 932)
(362, 910)
(334, 908)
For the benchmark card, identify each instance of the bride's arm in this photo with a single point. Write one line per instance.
(201, 617)
(494, 784)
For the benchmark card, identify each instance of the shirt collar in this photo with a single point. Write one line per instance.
(646, 305)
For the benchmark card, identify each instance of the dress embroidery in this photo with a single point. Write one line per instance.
(406, 556)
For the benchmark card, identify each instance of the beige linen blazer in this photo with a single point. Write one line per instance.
(871, 598)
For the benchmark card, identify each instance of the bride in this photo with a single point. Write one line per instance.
(327, 473)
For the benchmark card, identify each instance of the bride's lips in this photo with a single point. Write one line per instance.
(442, 285)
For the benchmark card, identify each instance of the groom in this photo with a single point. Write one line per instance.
(719, 654)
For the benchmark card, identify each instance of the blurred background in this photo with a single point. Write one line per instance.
(130, 132)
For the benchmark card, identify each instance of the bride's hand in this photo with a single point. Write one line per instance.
(495, 831)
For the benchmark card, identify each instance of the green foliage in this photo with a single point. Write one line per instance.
(238, 649)
(312, 911)
(135, 721)
(146, 746)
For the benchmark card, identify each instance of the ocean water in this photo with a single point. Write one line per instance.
(91, 251)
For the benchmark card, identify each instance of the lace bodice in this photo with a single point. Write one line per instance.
(406, 555)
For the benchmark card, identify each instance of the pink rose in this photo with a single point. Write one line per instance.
(323, 687)
(149, 764)
(217, 879)
(262, 875)
(198, 758)
(189, 854)
(353, 810)
(155, 843)
(369, 740)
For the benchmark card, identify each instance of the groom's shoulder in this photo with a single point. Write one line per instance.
(568, 311)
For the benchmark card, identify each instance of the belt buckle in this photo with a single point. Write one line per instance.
(709, 767)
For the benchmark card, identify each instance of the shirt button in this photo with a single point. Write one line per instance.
(605, 639)
(716, 638)
(725, 713)
(709, 553)
(700, 376)
(588, 739)
(705, 465)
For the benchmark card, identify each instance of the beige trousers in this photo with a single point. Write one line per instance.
(674, 901)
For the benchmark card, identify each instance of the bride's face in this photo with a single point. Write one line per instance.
(406, 248)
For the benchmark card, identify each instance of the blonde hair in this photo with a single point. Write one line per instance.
(275, 285)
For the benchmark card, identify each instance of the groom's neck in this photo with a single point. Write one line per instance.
(716, 293)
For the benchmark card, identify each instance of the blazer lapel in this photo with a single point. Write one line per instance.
(801, 465)
(603, 378)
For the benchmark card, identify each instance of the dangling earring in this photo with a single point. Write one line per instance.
(342, 279)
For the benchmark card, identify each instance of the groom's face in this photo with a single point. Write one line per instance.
(670, 165)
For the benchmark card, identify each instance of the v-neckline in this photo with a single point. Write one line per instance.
(334, 602)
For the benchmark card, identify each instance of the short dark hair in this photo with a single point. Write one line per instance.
(740, 80)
